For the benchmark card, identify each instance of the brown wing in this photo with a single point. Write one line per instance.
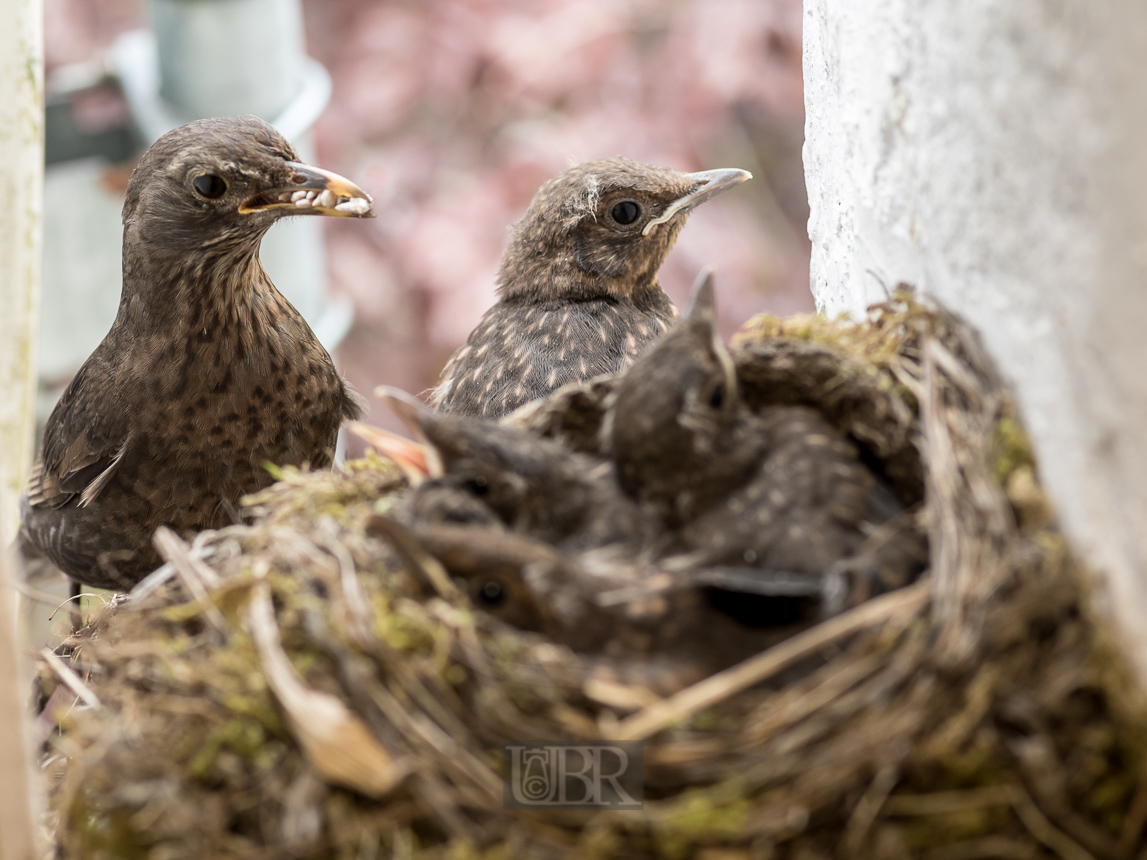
(83, 445)
(805, 507)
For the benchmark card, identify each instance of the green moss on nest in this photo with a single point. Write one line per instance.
(717, 814)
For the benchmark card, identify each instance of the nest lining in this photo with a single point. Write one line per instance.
(285, 695)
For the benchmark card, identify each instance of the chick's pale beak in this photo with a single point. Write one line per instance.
(314, 191)
(706, 184)
(414, 414)
(703, 311)
(416, 461)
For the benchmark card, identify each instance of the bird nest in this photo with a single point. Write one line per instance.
(287, 692)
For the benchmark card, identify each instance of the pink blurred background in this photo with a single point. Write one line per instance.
(453, 112)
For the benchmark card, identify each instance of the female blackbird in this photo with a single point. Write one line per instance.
(207, 374)
(579, 294)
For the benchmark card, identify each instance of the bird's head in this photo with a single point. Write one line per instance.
(479, 471)
(676, 409)
(530, 484)
(220, 183)
(606, 223)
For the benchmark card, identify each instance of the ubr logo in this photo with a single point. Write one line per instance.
(573, 775)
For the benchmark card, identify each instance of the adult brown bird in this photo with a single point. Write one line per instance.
(207, 374)
(780, 490)
(578, 288)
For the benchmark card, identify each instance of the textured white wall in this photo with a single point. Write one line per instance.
(21, 173)
(995, 154)
(21, 179)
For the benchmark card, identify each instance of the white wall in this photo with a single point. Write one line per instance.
(995, 154)
(21, 180)
(21, 172)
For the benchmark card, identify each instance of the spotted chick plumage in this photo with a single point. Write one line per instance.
(578, 289)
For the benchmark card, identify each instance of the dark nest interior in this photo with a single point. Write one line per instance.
(287, 692)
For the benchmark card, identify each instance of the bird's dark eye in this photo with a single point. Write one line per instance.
(210, 186)
(625, 212)
(492, 593)
(478, 486)
(717, 396)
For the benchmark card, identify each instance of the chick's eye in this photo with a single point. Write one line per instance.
(717, 396)
(625, 212)
(479, 486)
(210, 186)
(492, 593)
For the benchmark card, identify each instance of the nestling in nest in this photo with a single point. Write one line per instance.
(683, 530)
(291, 690)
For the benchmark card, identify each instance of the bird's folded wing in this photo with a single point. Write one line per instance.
(83, 446)
(768, 583)
(82, 471)
(669, 577)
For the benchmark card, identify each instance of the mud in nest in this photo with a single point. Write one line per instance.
(283, 695)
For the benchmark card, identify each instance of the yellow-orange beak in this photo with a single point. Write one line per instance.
(314, 191)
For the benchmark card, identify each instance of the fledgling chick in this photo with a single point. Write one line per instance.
(781, 490)
(207, 373)
(629, 624)
(543, 538)
(578, 288)
(489, 473)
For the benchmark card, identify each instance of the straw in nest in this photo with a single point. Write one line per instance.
(282, 695)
